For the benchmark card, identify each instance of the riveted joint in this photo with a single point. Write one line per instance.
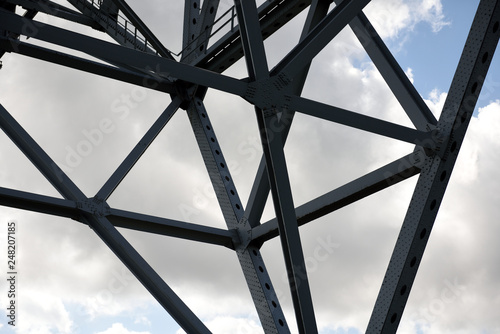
(267, 94)
(281, 81)
(94, 206)
(435, 142)
(183, 91)
(244, 234)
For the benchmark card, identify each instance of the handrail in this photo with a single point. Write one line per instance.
(132, 35)
(231, 10)
(135, 38)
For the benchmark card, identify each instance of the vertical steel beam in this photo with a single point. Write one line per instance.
(435, 174)
(191, 23)
(255, 56)
(252, 264)
(287, 223)
(260, 189)
(208, 12)
(201, 30)
(103, 228)
(251, 36)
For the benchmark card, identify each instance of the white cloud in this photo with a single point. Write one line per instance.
(63, 261)
(142, 320)
(458, 297)
(231, 325)
(42, 313)
(409, 74)
(391, 18)
(118, 328)
(436, 100)
(431, 11)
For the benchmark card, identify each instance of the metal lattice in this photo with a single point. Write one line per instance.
(138, 57)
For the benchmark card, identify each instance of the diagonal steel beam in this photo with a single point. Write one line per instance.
(362, 122)
(59, 180)
(253, 267)
(291, 245)
(287, 224)
(54, 9)
(172, 228)
(138, 150)
(146, 274)
(318, 38)
(119, 54)
(429, 191)
(260, 189)
(119, 218)
(150, 81)
(197, 28)
(191, 18)
(251, 37)
(38, 203)
(101, 225)
(404, 91)
(364, 186)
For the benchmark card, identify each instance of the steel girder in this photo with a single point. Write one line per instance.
(141, 59)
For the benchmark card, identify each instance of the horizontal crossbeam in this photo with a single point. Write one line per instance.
(38, 203)
(382, 178)
(122, 55)
(171, 228)
(119, 218)
(360, 121)
(149, 81)
(103, 227)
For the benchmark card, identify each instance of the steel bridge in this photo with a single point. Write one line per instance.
(137, 56)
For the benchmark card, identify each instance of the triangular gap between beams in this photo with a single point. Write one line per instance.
(170, 179)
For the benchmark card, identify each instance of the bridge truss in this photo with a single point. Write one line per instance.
(138, 57)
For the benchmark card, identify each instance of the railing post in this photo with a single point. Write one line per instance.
(232, 18)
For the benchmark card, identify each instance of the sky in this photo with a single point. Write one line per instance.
(70, 282)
